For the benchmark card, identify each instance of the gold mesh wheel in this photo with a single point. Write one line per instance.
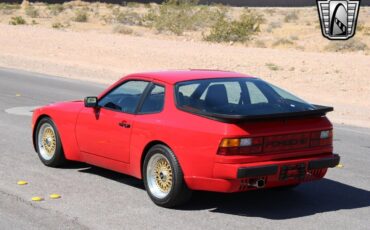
(163, 175)
(159, 175)
(47, 141)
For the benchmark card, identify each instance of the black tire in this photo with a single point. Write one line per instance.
(58, 159)
(179, 193)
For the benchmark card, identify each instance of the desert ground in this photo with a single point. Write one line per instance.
(102, 42)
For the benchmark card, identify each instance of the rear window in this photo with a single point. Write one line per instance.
(237, 96)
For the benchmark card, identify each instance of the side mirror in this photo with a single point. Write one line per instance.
(91, 102)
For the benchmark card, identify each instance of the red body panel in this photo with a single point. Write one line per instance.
(96, 138)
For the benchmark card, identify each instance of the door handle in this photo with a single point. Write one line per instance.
(124, 124)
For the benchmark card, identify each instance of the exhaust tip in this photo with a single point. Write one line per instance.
(261, 183)
(256, 183)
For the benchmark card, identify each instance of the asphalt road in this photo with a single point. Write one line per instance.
(94, 198)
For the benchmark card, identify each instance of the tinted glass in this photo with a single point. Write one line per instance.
(154, 101)
(124, 98)
(237, 96)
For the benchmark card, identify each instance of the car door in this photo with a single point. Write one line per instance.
(106, 131)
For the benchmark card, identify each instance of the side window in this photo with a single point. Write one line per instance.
(125, 97)
(229, 91)
(255, 94)
(154, 101)
(188, 90)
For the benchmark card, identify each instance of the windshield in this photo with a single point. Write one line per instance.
(237, 96)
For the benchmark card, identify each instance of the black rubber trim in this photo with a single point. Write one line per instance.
(257, 171)
(329, 162)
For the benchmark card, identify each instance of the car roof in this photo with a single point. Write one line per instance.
(175, 76)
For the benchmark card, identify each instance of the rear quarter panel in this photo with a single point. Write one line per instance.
(193, 139)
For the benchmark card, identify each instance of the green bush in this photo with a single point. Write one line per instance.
(32, 12)
(133, 4)
(121, 29)
(17, 20)
(272, 66)
(6, 8)
(126, 17)
(56, 9)
(180, 16)
(80, 16)
(346, 46)
(175, 18)
(57, 25)
(225, 30)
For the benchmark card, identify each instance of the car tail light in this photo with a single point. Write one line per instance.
(321, 138)
(275, 144)
(240, 146)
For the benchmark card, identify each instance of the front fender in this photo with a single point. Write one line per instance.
(64, 116)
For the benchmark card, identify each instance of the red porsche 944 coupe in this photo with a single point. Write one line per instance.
(191, 130)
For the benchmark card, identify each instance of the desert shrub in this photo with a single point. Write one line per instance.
(346, 46)
(109, 6)
(360, 27)
(180, 16)
(55, 9)
(291, 16)
(169, 16)
(6, 8)
(294, 37)
(57, 25)
(80, 16)
(282, 41)
(272, 66)
(182, 2)
(32, 12)
(126, 17)
(225, 30)
(273, 25)
(366, 30)
(121, 29)
(271, 11)
(17, 20)
(205, 16)
(260, 44)
(133, 4)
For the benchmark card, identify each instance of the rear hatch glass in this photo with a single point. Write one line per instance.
(240, 99)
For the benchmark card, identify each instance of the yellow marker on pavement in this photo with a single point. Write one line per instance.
(340, 166)
(18, 95)
(37, 198)
(55, 196)
(22, 182)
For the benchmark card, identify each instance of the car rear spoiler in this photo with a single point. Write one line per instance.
(319, 111)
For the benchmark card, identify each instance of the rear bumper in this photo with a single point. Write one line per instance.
(258, 171)
(236, 177)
